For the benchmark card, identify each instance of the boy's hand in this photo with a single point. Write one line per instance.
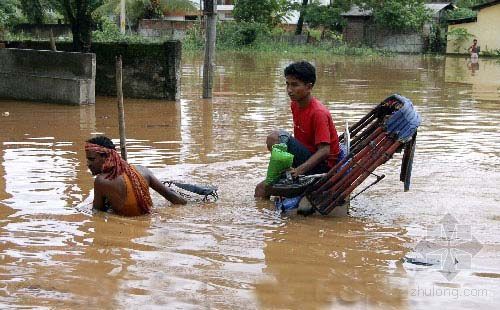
(295, 172)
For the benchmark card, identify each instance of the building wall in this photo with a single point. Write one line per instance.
(164, 28)
(150, 71)
(354, 31)
(47, 76)
(43, 30)
(361, 31)
(485, 30)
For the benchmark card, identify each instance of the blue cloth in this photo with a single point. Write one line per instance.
(286, 204)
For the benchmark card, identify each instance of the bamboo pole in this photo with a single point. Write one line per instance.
(52, 41)
(121, 110)
(210, 12)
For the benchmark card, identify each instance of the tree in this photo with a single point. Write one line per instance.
(326, 16)
(33, 10)
(300, 22)
(79, 15)
(398, 14)
(10, 13)
(267, 12)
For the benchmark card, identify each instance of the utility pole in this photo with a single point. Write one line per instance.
(210, 12)
(121, 109)
(122, 16)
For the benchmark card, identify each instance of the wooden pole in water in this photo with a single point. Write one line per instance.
(210, 12)
(121, 110)
(52, 41)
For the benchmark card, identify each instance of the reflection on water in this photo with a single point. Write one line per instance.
(481, 74)
(237, 252)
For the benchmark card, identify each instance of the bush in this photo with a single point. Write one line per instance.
(459, 36)
(194, 38)
(109, 32)
(238, 34)
(460, 13)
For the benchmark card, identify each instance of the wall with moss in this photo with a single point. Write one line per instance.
(150, 71)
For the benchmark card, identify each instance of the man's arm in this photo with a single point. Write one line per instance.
(98, 202)
(160, 188)
(316, 159)
(166, 192)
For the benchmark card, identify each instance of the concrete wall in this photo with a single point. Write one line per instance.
(150, 71)
(47, 76)
(164, 28)
(485, 30)
(43, 30)
(362, 31)
(399, 42)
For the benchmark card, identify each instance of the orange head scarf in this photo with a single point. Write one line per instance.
(115, 166)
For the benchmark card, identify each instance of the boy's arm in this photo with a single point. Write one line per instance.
(316, 159)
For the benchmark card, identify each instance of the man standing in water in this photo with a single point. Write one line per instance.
(315, 143)
(120, 186)
(474, 50)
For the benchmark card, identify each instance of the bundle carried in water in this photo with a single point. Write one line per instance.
(280, 161)
(390, 127)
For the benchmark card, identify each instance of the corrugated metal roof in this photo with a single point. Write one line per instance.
(436, 7)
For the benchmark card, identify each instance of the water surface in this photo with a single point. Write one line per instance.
(238, 252)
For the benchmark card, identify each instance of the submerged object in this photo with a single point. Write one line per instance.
(203, 190)
(388, 128)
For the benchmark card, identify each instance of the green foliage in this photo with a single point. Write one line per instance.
(267, 12)
(194, 40)
(33, 10)
(315, 34)
(110, 32)
(460, 13)
(468, 3)
(399, 14)
(176, 6)
(491, 53)
(459, 37)
(237, 34)
(317, 15)
(135, 9)
(10, 13)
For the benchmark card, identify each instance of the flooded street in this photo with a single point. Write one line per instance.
(238, 253)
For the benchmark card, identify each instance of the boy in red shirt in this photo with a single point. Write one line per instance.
(315, 143)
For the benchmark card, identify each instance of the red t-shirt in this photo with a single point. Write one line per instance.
(313, 125)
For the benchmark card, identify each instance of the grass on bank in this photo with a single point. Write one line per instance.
(231, 37)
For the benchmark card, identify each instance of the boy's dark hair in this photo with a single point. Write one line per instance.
(102, 141)
(302, 70)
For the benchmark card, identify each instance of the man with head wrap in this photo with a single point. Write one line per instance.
(122, 187)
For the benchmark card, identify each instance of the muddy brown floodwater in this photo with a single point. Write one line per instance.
(238, 253)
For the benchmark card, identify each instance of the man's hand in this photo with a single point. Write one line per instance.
(316, 159)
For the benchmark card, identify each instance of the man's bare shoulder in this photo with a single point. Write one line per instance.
(144, 171)
(101, 180)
